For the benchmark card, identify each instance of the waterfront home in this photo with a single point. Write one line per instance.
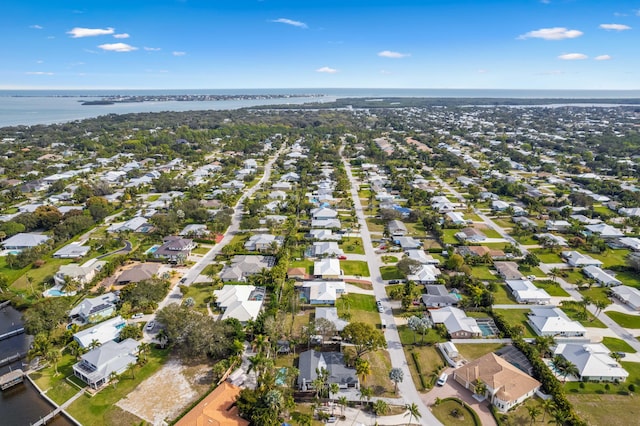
(100, 333)
(97, 366)
(95, 309)
(79, 274)
(506, 386)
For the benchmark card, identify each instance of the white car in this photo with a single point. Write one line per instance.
(137, 316)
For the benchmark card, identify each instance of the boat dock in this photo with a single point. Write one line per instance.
(11, 378)
(12, 333)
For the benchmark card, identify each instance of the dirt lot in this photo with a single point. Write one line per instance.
(164, 395)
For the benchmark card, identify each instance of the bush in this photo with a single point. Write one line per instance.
(632, 387)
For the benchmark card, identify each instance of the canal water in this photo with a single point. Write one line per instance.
(20, 405)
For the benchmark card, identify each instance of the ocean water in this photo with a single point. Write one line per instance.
(31, 107)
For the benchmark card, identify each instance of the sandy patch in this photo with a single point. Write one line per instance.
(162, 396)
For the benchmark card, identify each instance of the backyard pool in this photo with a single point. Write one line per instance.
(152, 249)
(487, 327)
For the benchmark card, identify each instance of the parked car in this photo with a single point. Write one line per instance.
(342, 257)
(150, 325)
(137, 316)
(442, 379)
(183, 280)
(394, 281)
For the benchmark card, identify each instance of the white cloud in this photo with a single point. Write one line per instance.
(391, 54)
(327, 70)
(556, 33)
(38, 73)
(151, 49)
(482, 71)
(572, 56)
(117, 47)
(90, 32)
(602, 58)
(36, 27)
(615, 27)
(176, 53)
(39, 61)
(290, 22)
(123, 35)
(385, 72)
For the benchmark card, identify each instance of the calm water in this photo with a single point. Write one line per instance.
(21, 404)
(25, 107)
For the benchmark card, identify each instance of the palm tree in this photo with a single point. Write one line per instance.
(412, 411)
(131, 366)
(480, 388)
(342, 401)
(380, 408)
(547, 406)
(543, 344)
(334, 388)
(396, 375)
(363, 369)
(534, 412)
(365, 393)
(567, 368)
(554, 272)
(113, 378)
(94, 344)
(53, 356)
(600, 305)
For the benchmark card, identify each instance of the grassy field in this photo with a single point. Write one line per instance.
(611, 257)
(407, 336)
(617, 345)
(389, 259)
(352, 245)
(201, 294)
(355, 267)
(573, 312)
(415, 228)
(99, 409)
(306, 264)
(444, 412)
(526, 240)
(517, 316)
(390, 273)
(597, 293)
(604, 409)
(57, 388)
(502, 296)
(201, 250)
(448, 236)
(552, 288)
(429, 363)
(475, 351)
(483, 272)
(489, 232)
(360, 307)
(375, 225)
(632, 279)
(624, 320)
(547, 256)
(520, 414)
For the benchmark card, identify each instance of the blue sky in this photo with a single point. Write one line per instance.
(175, 44)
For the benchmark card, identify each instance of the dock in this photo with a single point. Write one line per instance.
(12, 333)
(11, 378)
(12, 358)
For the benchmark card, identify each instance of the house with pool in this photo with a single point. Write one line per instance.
(101, 333)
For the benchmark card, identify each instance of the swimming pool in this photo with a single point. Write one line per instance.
(55, 292)
(486, 330)
(152, 249)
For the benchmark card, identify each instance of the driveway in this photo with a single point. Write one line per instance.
(455, 389)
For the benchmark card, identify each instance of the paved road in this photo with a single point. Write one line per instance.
(398, 360)
(175, 296)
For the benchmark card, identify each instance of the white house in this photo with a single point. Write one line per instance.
(554, 322)
(327, 268)
(326, 248)
(101, 333)
(602, 277)
(456, 321)
(82, 274)
(525, 292)
(97, 365)
(24, 241)
(593, 361)
(628, 295)
(425, 274)
(579, 260)
(604, 230)
(242, 302)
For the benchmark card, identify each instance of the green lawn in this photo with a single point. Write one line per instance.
(502, 296)
(483, 272)
(490, 232)
(375, 225)
(526, 240)
(597, 293)
(624, 320)
(552, 288)
(429, 364)
(605, 409)
(390, 273)
(355, 267)
(474, 351)
(448, 236)
(307, 264)
(517, 316)
(445, 411)
(201, 293)
(407, 336)
(574, 313)
(153, 198)
(201, 250)
(352, 245)
(617, 345)
(611, 257)
(359, 307)
(415, 228)
(389, 259)
(632, 279)
(97, 410)
(57, 388)
(547, 256)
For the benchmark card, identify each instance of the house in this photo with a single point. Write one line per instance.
(326, 248)
(508, 270)
(141, 272)
(323, 292)
(630, 242)
(557, 225)
(95, 309)
(262, 242)
(438, 296)
(396, 228)
(524, 222)
(277, 195)
(331, 315)
(283, 186)
(457, 323)
(593, 361)
(243, 266)
(554, 322)
(442, 204)
(216, 409)
(242, 302)
(194, 230)
(525, 292)
(602, 277)
(506, 385)
(456, 218)
(71, 251)
(311, 362)
(499, 205)
(422, 257)
(136, 224)
(327, 269)
(579, 260)
(80, 274)
(425, 274)
(323, 213)
(174, 249)
(100, 333)
(326, 223)
(96, 366)
(628, 295)
(480, 251)
(471, 235)
(604, 230)
(553, 239)
(323, 235)
(297, 274)
(407, 243)
(23, 241)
